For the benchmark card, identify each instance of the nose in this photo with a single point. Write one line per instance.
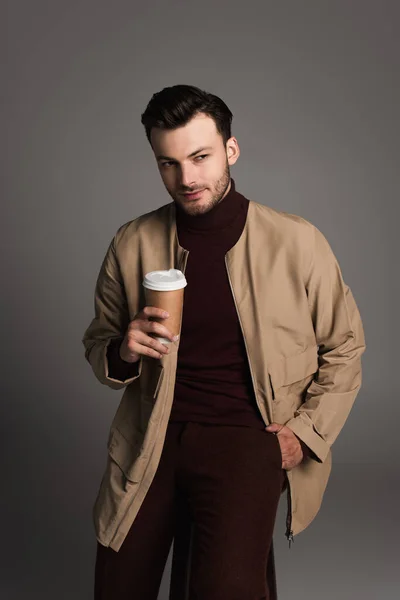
(187, 177)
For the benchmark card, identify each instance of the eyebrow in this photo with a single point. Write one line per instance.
(162, 157)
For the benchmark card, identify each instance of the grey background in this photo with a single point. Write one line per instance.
(314, 88)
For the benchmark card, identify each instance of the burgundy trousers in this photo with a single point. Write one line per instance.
(226, 481)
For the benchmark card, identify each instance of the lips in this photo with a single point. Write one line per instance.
(194, 195)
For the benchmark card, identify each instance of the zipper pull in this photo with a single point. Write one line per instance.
(290, 537)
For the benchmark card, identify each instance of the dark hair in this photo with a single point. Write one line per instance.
(176, 105)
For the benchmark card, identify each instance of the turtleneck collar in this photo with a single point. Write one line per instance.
(219, 217)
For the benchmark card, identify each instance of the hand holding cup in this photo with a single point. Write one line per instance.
(164, 299)
(138, 339)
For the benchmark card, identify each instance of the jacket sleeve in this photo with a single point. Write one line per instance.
(107, 329)
(340, 339)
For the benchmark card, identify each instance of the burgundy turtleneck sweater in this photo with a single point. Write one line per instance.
(213, 381)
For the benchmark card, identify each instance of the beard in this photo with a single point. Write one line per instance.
(200, 207)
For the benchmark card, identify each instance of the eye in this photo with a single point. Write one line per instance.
(201, 156)
(166, 164)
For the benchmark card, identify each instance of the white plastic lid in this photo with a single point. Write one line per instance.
(165, 281)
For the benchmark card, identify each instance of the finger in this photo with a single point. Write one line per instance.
(273, 427)
(158, 329)
(153, 311)
(141, 343)
(149, 351)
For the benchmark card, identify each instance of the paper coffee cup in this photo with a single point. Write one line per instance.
(165, 290)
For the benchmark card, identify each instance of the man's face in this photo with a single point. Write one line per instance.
(193, 158)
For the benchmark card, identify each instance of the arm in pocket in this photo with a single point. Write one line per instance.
(341, 342)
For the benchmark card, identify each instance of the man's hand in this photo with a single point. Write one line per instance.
(292, 454)
(138, 340)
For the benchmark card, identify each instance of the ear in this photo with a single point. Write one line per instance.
(232, 150)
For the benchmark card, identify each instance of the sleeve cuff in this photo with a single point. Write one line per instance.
(307, 452)
(118, 369)
(319, 449)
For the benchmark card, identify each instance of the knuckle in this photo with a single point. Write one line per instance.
(155, 344)
(131, 347)
(131, 336)
(133, 325)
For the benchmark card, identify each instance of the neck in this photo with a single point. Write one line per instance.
(220, 216)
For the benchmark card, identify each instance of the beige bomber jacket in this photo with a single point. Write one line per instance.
(303, 336)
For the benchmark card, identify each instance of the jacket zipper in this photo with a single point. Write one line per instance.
(289, 531)
(183, 268)
(244, 339)
(151, 450)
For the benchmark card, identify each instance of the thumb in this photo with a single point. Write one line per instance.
(274, 427)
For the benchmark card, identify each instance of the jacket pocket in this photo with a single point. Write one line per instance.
(127, 454)
(151, 377)
(293, 374)
(122, 472)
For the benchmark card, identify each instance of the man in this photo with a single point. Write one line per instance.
(246, 402)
